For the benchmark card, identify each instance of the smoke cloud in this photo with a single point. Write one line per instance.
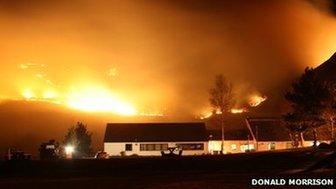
(161, 55)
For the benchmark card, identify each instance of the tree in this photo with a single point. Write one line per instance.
(308, 97)
(221, 99)
(300, 123)
(330, 108)
(296, 128)
(80, 138)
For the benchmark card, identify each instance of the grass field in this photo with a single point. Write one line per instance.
(228, 171)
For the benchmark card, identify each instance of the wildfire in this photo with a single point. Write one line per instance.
(238, 110)
(28, 94)
(253, 101)
(49, 94)
(100, 101)
(208, 114)
(151, 114)
(256, 100)
(90, 99)
(85, 95)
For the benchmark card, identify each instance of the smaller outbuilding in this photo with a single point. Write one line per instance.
(269, 133)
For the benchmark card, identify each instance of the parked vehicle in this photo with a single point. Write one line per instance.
(172, 152)
(101, 155)
(49, 150)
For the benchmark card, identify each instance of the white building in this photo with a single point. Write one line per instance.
(149, 139)
(241, 135)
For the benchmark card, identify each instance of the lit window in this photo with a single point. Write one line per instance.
(271, 146)
(233, 146)
(246, 147)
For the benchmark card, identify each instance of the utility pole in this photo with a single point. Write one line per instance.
(223, 133)
(257, 138)
(332, 130)
(248, 143)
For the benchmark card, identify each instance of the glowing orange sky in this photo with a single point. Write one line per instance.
(155, 56)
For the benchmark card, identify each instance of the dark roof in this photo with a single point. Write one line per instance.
(155, 132)
(238, 134)
(268, 129)
(236, 128)
(232, 122)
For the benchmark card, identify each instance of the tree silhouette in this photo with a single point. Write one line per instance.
(296, 128)
(79, 137)
(330, 108)
(221, 99)
(308, 97)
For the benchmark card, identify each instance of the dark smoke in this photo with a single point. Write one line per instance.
(325, 5)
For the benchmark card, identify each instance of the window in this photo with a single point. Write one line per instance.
(246, 147)
(233, 147)
(157, 147)
(153, 147)
(196, 146)
(128, 147)
(271, 146)
(150, 147)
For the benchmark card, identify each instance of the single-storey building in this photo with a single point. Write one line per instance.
(149, 139)
(241, 134)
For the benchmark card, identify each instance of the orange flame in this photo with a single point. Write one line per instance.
(256, 100)
(208, 114)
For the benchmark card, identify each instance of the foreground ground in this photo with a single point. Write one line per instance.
(228, 171)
